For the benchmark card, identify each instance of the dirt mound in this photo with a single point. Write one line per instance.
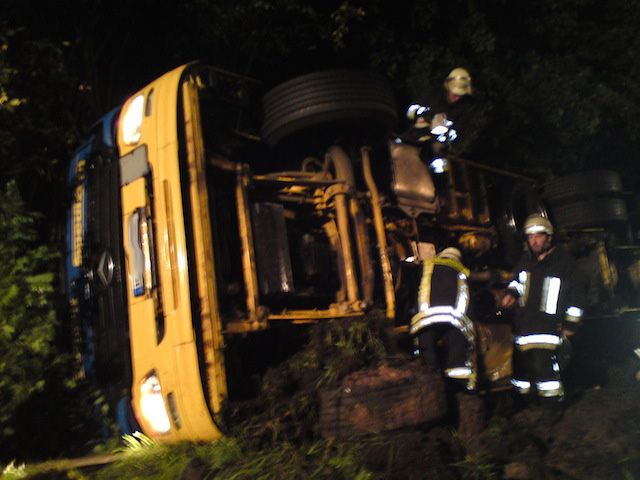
(382, 398)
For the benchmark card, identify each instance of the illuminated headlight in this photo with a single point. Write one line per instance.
(152, 405)
(132, 121)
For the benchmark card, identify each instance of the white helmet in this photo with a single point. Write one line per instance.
(536, 223)
(458, 82)
(452, 253)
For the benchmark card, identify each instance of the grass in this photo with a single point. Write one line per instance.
(476, 468)
(231, 458)
(227, 458)
(14, 471)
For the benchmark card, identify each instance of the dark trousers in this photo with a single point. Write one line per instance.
(442, 346)
(539, 367)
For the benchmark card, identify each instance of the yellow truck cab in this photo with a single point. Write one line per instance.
(209, 248)
(175, 328)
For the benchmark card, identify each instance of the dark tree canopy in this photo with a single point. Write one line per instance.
(557, 81)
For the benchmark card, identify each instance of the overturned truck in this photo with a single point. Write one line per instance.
(189, 232)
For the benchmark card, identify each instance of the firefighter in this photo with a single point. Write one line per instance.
(443, 299)
(443, 112)
(547, 295)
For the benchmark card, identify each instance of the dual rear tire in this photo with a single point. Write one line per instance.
(587, 199)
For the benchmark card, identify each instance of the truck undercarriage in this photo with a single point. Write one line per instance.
(325, 214)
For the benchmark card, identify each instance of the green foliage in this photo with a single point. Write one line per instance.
(561, 88)
(27, 317)
(12, 471)
(136, 441)
(7, 103)
(37, 115)
(353, 344)
(474, 468)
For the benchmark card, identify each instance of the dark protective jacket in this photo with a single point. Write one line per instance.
(443, 299)
(461, 113)
(550, 293)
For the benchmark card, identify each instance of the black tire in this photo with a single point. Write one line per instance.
(359, 102)
(595, 212)
(582, 184)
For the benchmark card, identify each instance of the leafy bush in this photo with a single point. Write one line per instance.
(27, 315)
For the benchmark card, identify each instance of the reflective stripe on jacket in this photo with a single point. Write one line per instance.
(549, 292)
(443, 297)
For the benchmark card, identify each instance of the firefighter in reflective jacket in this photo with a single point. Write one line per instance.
(443, 299)
(547, 290)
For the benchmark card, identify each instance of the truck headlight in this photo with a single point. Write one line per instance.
(152, 405)
(132, 121)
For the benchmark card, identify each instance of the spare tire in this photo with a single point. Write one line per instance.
(582, 184)
(352, 102)
(595, 212)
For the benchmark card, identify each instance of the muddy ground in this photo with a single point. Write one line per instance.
(597, 437)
